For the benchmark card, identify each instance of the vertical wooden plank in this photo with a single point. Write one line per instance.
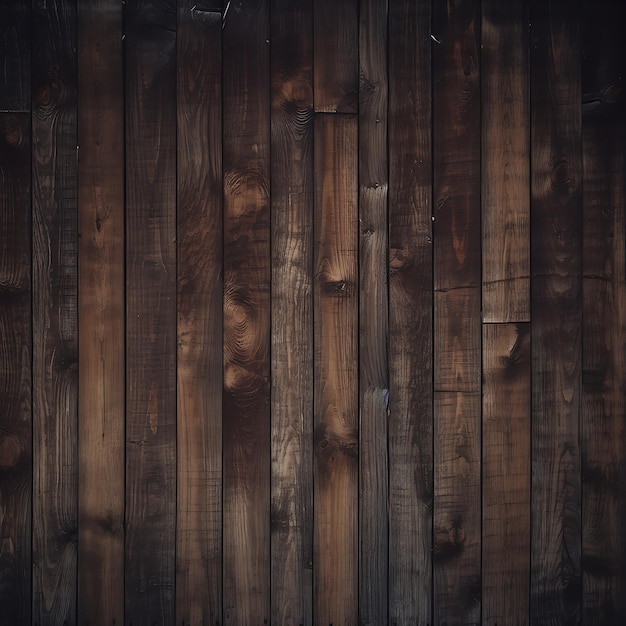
(199, 237)
(15, 56)
(373, 314)
(457, 337)
(15, 371)
(55, 303)
(247, 277)
(506, 474)
(101, 315)
(292, 312)
(150, 311)
(410, 314)
(556, 312)
(335, 567)
(336, 52)
(505, 162)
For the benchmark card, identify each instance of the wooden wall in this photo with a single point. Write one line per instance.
(312, 312)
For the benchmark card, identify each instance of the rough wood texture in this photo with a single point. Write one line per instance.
(410, 315)
(505, 162)
(15, 55)
(336, 470)
(150, 312)
(506, 474)
(292, 312)
(55, 304)
(247, 314)
(15, 371)
(556, 305)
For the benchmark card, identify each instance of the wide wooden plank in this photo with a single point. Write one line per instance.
(15, 55)
(506, 474)
(247, 277)
(556, 306)
(292, 312)
(199, 356)
(15, 371)
(55, 304)
(336, 468)
(101, 406)
(410, 315)
(457, 317)
(150, 311)
(505, 162)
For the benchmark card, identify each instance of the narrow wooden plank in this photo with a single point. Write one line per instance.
(506, 474)
(373, 315)
(457, 320)
(15, 56)
(199, 237)
(505, 162)
(55, 304)
(150, 311)
(247, 277)
(335, 566)
(15, 371)
(410, 314)
(101, 282)
(292, 312)
(336, 52)
(556, 307)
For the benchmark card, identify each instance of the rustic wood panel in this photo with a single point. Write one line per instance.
(15, 56)
(292, 312)
(336, 468)
(15, 371)
(55, 310)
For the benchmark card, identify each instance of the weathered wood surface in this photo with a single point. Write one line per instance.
(15, 55)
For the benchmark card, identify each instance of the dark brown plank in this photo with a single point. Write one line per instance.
(506, 474)
(457, 319)
(150, 311)
(556, 307)
(292, 312)
(101, 315)
(410, 315)
(15, 56)
(247, 305)
(505, 162)
(199, 356)
(55, 304)
(15, 371)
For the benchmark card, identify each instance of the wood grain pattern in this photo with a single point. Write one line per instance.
(247, 276)
(55, 304)
(15, 371)
(150, 312)
(505, 162)
(410, 315)
(335, 564)
(506, 474)
(15, 56)
(556, 305)
(292, 312)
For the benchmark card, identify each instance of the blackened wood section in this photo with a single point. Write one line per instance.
(506, 474)
(410, 314)
(15, 56)
(373, 315)
(150, 311)
(55, 305)
(336, 52)
(199, 370)
(101, 315)
(556, 312)
(292, 314)
(336, 466)
(457, 320)
(505, 162)
(246, 84)
(604, 374)
(15, 371)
